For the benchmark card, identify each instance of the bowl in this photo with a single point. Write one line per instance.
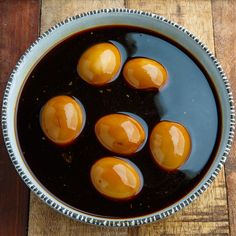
(115, 17)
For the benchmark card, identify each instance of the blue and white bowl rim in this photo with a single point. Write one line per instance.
(91, 19)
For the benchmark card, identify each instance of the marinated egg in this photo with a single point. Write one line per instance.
(62, 119)
(116, 178)
(144, 73)
(99, 64)
(120, 133)
(170, 145)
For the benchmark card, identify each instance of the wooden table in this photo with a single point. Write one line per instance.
(21, 22)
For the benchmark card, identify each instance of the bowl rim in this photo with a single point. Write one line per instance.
(31, 181)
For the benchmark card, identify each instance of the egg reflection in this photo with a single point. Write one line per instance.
(170, 145)
(144, 73)
(99, 64)
(62, 119)
(116, 178)
(120, 133)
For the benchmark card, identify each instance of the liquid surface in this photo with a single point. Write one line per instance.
(187, 98)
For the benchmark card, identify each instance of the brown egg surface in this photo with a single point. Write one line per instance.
(144, 73)
(99, 64)
(62, 119)
(116, 178)
(170, 145)
(120, 133)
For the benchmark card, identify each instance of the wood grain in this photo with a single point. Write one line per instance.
(18, 28)
(209, 214)
(42, 219)
(195, 15)
(212, 206)
(224, 19)
(54, 11)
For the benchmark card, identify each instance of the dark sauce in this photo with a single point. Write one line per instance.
(188, 98)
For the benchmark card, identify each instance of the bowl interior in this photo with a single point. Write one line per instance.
(203, 65)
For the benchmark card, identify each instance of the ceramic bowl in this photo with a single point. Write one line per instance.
(92, 19)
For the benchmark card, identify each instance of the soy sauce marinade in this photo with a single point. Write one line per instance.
(188, 99)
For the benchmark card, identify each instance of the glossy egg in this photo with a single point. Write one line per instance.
(144, 73)
(120, 133)
(99, 64)
(62, 119)
(116, 178)
(170, 145)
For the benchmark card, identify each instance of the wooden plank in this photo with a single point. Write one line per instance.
(54, 11)
(194, 15)
(42, 219)
(18, 28)
(45, 221)
(224, 21)
(207, 215)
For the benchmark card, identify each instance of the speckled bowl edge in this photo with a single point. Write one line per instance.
(61, 207)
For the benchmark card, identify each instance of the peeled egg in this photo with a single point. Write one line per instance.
(144, 73)
(99, 64)
(170, 145)
(116, 178)
(62, 119)
(120, 133)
